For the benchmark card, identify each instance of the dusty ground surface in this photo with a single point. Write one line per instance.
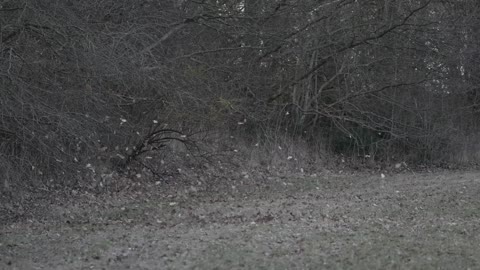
(408, 221)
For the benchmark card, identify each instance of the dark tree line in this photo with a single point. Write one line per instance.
(81, 80)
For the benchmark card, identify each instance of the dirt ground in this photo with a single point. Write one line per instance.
(407, 221)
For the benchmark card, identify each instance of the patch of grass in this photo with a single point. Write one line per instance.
(350, 222)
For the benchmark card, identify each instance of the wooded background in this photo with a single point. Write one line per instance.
(387, 79)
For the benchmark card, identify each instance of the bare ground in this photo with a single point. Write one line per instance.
(408, 221)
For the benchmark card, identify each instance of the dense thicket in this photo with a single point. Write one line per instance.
(81, 80)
